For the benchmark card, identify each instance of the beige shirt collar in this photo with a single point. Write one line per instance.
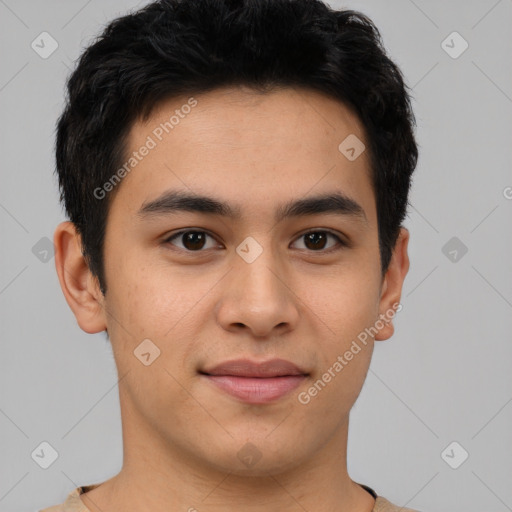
(73, 502)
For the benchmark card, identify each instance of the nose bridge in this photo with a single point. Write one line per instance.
(258, 277)
(256, 295)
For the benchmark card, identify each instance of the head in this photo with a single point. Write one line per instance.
(215, 211)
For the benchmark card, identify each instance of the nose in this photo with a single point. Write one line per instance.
(257, 297)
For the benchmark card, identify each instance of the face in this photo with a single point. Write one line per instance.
(241, 272)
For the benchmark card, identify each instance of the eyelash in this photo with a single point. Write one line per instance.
(340, 245)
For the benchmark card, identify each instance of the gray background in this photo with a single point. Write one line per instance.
(445, 375)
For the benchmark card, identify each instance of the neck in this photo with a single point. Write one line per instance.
(157, 474)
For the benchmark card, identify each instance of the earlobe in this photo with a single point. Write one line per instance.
(79, 285)
(392, 286)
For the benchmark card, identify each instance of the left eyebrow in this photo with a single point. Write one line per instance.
(174, 201)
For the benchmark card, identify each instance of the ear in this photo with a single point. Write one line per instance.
(80, 287)
(391, 289)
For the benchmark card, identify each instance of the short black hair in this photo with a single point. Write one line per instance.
(183, 47)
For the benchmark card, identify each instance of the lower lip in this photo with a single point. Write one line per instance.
(256, 390)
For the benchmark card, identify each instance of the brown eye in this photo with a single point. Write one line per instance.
(192, 241)
(317, 240)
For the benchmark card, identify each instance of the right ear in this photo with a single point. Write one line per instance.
(80, 287)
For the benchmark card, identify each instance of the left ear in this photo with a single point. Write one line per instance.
(392, 285)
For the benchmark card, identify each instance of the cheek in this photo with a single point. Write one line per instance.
(146, 298)
(344, 352)
(346, 301)
(148, 305)
(344, 306)
(164, 305)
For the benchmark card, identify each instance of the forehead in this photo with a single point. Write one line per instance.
(242, 114)
(281, 143)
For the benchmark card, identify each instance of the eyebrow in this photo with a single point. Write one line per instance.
(174, 201)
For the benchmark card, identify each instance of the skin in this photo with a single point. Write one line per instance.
(181, 435)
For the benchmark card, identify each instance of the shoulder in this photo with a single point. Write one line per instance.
(73, 503)
(55, 508)
(383, 505)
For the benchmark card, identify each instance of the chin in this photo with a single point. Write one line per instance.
(256, 457)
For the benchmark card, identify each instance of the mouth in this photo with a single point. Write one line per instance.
(256, 382)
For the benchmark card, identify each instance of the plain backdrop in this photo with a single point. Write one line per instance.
(441, 388)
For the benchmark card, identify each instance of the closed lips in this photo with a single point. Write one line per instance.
(248, 368)
(256, 383)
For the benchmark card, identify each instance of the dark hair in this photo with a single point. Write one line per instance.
(184, 47)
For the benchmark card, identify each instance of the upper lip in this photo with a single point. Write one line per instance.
(248, 368)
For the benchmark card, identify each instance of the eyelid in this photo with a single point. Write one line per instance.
(342, 242)
(168, 239)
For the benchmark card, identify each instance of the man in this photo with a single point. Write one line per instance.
(235, 173)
